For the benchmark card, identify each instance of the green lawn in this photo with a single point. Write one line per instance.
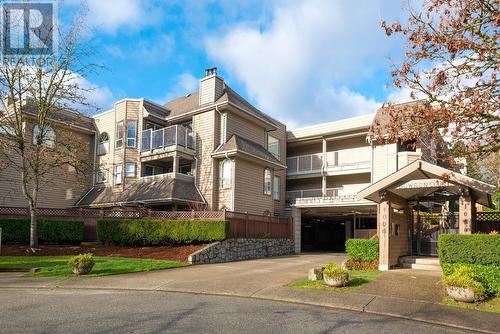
(357, 278)
(57, 265)
(491, 304)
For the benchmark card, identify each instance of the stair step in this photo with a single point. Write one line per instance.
(420, 260)
(420, 266)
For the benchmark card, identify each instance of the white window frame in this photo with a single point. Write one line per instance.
(127, 172)
(267, 182)
(103, 145)
(118, 174)
(226, 175)
(101, 176)
(132, 141)
(223, 122)
(48, 138)
(277, 155)
(277, 188)
(119, 135)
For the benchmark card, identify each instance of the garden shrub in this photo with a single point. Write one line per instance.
(361, 254)
(49, 231)
(148, 232)
(335, 271)
(83, 262)
(480, 253)
(463, 277)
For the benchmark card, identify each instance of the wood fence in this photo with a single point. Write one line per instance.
(241, 225)
(487, 222)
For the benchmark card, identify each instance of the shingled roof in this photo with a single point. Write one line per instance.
(159, 189)
(190, 102)
(68, 117)
(239, 144)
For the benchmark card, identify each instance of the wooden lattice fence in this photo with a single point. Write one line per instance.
(487, 222)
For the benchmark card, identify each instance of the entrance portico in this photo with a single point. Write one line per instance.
(399, 194)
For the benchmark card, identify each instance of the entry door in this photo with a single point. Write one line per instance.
(426, 230)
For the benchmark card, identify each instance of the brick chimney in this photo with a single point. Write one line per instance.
(211, 86)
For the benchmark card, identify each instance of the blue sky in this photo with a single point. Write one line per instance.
(303, 62)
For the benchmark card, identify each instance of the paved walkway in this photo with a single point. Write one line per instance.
(266, 279)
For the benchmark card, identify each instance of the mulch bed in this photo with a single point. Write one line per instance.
(178, 253)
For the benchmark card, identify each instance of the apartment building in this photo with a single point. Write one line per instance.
(328, 165)
(207, 150)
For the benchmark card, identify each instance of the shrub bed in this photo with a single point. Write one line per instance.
(147, 232)
(479, 252)
(361, 254)
(49, 231)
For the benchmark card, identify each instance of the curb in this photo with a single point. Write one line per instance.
(284, 300)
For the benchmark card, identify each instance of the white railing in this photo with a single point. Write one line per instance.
(342, 160)
(166, 137)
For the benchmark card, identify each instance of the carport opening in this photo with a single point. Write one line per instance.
(329, 234)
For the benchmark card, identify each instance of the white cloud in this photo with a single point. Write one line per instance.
(307, 57)
(184, 83)
(110, 15)
(94, 95)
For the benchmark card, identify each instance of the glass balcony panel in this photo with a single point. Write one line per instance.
(181, 136)
(146, 140)
(157, 139)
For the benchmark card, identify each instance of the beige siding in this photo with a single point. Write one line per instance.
(249, 188)
(206, 174)
(61, 187)
(244, 128)
(384, 161)
(280, 134)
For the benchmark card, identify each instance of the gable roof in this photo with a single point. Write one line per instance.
(156, 189)
(190, 102)
(237, 144)
(404, 183)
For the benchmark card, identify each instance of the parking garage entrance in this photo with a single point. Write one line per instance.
(328, 231)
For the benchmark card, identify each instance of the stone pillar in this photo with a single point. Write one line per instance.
(297, 224)
(176, 164)
(465, 214)
(384, 221)
(323, 175)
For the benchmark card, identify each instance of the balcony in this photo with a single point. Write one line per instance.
(333, 196)
(167, 139)
(332, 163)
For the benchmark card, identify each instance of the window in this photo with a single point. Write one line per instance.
(119, 135)
(103, 147)
(223, 122)
(118, 174)
(267, 181)
(48, 138)
(129, 169)
(276, 188)
(152, 170)
(101, 176)
(131, 133)
(273, 146)
(226, 174)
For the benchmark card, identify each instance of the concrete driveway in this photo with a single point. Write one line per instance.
(243, 278)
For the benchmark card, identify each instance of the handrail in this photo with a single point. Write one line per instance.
(167, 136)
(316, 162)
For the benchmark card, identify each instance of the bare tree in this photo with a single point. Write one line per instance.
(451, 60)
(37, 92)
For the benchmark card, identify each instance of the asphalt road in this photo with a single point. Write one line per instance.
(98, 311)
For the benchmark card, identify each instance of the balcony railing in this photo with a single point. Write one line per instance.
(332, 195)
(167, 137)
(341, 160)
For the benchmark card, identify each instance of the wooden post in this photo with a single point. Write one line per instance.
(385, 221)
(465, 214)
(246, 224)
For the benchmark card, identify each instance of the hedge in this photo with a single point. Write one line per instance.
(480, 252)
(147, 232)
(49, 231)
(362, 249)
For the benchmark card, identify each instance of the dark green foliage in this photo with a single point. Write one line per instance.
(479, 252)
(362, 249)
(473, 248)
(147, 232)
(49, 231)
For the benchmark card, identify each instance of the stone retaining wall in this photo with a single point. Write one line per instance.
(241, 249)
